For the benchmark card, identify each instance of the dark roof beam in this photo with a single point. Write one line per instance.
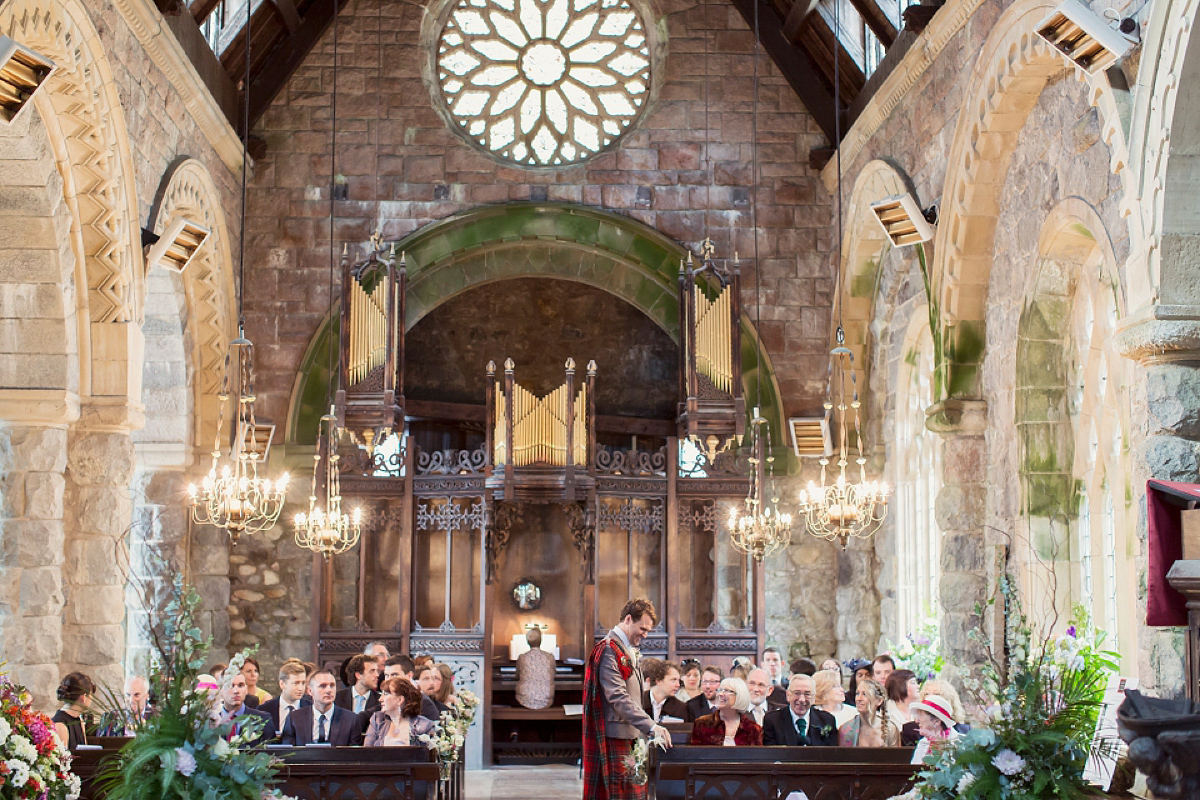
(289, 55)
(799, 12)
(287, 12)
(202, 8)
(876, 20)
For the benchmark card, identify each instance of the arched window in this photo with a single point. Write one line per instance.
(918, 471)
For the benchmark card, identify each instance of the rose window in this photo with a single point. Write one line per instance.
(544, 83)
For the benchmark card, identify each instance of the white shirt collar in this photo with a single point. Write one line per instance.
(624, 639)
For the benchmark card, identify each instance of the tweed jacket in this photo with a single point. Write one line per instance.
(623, 714)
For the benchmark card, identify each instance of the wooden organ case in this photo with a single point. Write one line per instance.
(594, 510)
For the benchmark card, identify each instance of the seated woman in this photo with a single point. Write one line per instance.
(75, 693)
(689, 676)
(399, 722)
(830, 696)
(871, 726)
(946, 689)
(902, 691)
(935, 719)
(730, 725)
(445, 690)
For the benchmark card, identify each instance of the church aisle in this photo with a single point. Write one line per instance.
(553, 782)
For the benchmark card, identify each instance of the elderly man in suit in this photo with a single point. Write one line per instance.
(234, 710)
(323, 722)
(612, 708)
(758, 683)
(800, 722)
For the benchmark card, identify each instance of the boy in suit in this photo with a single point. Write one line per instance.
(323, 722)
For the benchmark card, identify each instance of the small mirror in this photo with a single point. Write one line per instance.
(527, 595)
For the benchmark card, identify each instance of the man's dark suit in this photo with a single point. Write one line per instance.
(345, 728)
(268, 729)
(778, 695)
(697, 707)
(672, 707)
(272, 707)
(345, 699)
(821, 730)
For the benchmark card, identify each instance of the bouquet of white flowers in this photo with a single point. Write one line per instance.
(448, 738)
(34, 764)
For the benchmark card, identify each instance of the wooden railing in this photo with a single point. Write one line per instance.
(325, 773)
(773, 773)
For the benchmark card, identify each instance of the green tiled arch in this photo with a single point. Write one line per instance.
(521, 240)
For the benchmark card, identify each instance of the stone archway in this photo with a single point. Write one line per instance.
(1006, 83)
(521, 240)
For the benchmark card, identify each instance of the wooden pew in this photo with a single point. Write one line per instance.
(772, 773)
(326, 773)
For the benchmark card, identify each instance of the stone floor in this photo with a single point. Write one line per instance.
(555, 782)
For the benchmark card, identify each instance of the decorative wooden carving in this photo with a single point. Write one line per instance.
(582, 522)
(498, 531)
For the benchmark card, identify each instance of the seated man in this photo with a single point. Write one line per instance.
(758, 683)
(362, 694)
(292, 683)
(659, 701)
(800, 723)
(126, 721)
(705, 702)
(323, 722)
(535, 673)
(429, 680)
(401, 666)
(235, 710)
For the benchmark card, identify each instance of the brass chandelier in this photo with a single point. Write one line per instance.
(757, 527)
(842, 510)
(232, 496)
(325, 528)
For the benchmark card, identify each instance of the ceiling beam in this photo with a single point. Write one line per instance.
(289, 55)
(876, 20)
(202, 8)
(291, 19)
(795, 65)
(797, 14)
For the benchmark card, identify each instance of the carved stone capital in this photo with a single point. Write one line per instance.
(1162, 334)
(957, 417)
(50, 407)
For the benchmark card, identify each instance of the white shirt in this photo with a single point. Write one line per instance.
(807, 720)
(656, 706)
(758, 711)
(316, 728)
(285, 711)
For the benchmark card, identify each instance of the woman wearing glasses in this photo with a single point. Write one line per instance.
(730, 725)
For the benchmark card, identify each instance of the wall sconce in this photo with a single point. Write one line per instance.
(903, 220)
(810, 436)
(177, 245)
(22, 71)
(1086, 38)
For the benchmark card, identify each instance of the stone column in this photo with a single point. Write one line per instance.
(1164, 444)
(100, 465)
(32, 460)
(968, 558)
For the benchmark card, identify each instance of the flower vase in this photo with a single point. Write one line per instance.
(445, 770)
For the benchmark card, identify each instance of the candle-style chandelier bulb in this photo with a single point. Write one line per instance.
(232, 496)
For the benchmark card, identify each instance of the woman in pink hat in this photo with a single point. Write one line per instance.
(935, 719)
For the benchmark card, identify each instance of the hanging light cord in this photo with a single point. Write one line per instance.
(332, 206)
(241, 288)
(754, 219)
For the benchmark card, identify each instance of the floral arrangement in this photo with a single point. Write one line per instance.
(34, 764)
(1041, 716)
(184, 751)
(919, 651)
(449, 737)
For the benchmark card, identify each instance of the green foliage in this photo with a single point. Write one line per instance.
(184, 751)
(1042, 713)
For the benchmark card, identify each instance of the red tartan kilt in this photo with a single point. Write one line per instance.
(608, 775)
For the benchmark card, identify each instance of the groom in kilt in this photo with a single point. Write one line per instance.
(612, 708)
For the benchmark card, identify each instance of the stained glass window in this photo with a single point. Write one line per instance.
(543, 82)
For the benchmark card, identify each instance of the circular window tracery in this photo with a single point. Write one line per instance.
(543, 82)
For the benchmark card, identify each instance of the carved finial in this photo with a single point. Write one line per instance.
(689, 258)
(376, 240)
(592, 368)
(570, 365)
(491, 368)
(509, 365)
(708, 249)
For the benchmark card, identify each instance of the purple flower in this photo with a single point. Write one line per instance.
(185, 762)
(1071, 631)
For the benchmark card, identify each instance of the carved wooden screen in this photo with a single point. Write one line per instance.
(697, 537)
(448, 562)
(629, 551)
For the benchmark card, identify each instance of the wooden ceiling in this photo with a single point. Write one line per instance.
(795, 33)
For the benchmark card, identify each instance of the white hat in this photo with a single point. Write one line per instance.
(937, 706)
